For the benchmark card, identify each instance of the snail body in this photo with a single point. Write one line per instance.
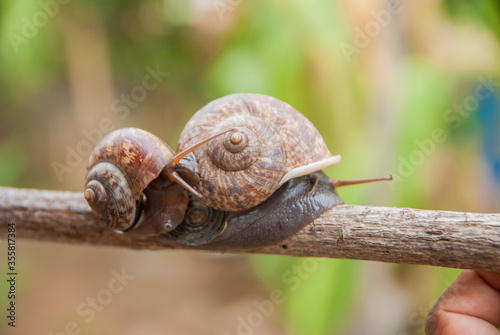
(269, 144)
(295, 204)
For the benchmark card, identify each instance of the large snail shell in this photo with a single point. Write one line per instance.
(270, 144)
(121, 166)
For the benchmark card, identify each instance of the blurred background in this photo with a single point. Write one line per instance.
(402, 86)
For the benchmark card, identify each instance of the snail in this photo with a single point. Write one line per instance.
(134, 182)
(261, 181)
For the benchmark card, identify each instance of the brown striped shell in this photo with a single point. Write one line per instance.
(120, 167)
(271, 143)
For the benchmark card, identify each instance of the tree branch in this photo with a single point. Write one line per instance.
(397, 235)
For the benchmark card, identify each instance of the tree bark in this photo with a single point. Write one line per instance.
(396, 235)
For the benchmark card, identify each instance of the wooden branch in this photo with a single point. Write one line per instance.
(397, 235)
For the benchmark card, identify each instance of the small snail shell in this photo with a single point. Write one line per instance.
(270, 144)
(201, 224)
(120, 167)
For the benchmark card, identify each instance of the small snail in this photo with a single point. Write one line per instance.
(134, 181)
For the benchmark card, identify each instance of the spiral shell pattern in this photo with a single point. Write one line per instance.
(201, 224)
(109, 194)
(120, 167)
(243, 168)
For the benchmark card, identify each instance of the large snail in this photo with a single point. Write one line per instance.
(250, 163)
(270, 144)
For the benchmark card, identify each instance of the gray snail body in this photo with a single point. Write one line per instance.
(294, 205)
(247, 174)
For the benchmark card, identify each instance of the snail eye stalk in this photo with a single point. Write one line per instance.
(338, 183)
(174, 176)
